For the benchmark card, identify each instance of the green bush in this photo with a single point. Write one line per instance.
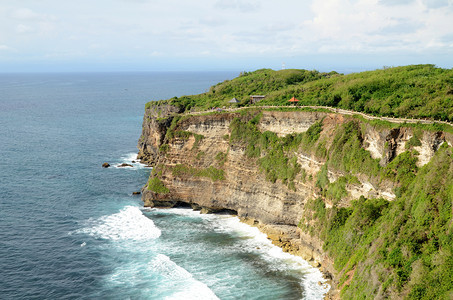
(157, 186)
(270, 150)
(221, 158)
(313, 132)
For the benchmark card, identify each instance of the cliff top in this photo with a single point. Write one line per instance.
(415, 91)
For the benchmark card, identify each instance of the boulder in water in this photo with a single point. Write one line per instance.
(105, 165)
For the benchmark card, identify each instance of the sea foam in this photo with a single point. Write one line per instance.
(275, 256)
(183, 284)
(128, 224)
(131, 159)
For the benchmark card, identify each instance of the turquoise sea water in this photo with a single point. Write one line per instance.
(70, 229)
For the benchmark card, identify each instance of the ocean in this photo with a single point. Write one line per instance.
(70, 229)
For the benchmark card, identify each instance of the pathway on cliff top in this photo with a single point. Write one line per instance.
(332, 109)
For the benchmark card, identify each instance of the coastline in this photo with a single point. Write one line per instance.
(288, 239)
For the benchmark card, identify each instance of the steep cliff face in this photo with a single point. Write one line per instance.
(156, 120)
(198, 161)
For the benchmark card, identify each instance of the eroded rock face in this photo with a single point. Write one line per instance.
(386, 144)
(245, 189)
(283, 123)
(156, 120)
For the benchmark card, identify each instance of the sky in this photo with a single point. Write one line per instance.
(209, 35)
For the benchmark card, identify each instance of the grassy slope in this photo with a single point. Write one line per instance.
(419, 91)
(399, 248)
(260, 82)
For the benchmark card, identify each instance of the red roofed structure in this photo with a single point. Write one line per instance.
(293, 100)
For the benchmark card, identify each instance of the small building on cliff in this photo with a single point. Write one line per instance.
(256, 98)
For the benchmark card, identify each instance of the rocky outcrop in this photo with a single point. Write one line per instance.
(156, 120)
(183, 163)
(124, 165)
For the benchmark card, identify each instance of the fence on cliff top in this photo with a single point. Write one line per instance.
(335, 110)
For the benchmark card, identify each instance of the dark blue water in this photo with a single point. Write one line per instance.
(71, 229)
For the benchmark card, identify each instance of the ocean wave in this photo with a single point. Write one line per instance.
(258, 242)
(128, 224)
(159, 278)
(181, 282)
(130, 159)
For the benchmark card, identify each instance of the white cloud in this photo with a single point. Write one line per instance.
(244, 6)
(374, 26)
(21, 28)
(396, 2)
(26, 14)
(223, 29)
(437, 3)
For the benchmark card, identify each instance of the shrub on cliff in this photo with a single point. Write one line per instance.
(272, 152)
(157, 186)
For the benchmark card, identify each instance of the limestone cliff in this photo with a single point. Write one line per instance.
(197, 162)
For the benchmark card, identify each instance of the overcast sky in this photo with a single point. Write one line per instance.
(155, 35)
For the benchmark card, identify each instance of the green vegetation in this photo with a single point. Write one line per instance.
(221, 158)
(157, 186)
(312, 134)
(198, 138)
(347, 154)
(164, 148)
(401, 170)
(414, 141)
(171, 130)
(274, 155)
(200, 155)
(260, 82)
(404, 247)
(419, 91)
(415, 91)
(184, 135)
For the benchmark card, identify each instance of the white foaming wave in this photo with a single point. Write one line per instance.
(275, 255)
(131, 159)
(128, 224)
(181, 281)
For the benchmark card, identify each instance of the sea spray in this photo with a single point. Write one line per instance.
(128, 224)
(131, 250)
